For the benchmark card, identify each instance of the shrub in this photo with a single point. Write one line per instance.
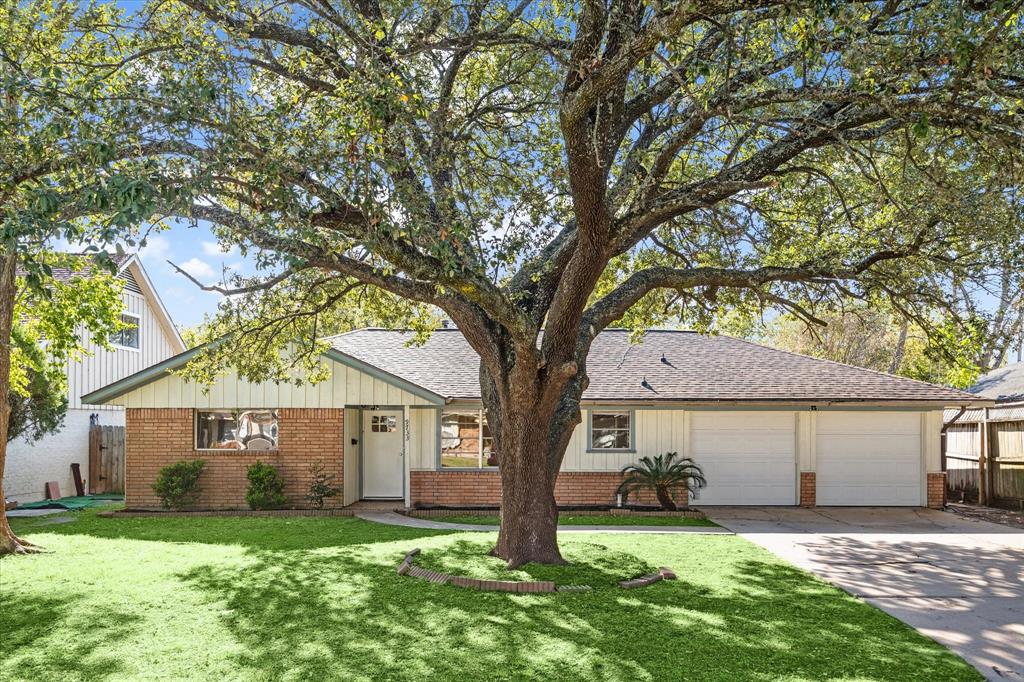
(177, 485)
(321, 486)
(665, 475)
(266, 487)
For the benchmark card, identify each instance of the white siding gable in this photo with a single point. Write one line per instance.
(345, 387)
(101, 366)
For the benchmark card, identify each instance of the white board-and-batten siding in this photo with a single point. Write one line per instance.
(100, 367)
(655, 431)
(345, 387)
(689, 432)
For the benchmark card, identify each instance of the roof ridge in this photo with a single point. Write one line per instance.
(843, 364)
(456, 329)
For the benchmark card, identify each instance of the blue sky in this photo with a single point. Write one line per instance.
(195, 250)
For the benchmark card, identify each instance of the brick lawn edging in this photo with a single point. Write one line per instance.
(614, 511)
(128, 513)
(407, 567)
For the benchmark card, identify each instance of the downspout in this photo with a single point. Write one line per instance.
(942, 435)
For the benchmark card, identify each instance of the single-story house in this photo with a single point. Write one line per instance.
(989, 440)
(404, 422)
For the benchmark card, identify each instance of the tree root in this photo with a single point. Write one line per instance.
(12, 544)
(514, 563)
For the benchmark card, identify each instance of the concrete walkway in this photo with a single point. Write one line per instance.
(956, 580)
(28, 513)
(394, 519)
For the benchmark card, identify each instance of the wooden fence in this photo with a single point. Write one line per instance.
(106, 459)
(962, 444)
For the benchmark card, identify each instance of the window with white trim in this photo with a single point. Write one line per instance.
(129, 336)
(611, 430)
(236, 429)
(466, 440)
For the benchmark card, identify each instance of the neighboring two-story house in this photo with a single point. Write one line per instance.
(152, 338)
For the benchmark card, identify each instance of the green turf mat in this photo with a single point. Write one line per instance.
(74, 503)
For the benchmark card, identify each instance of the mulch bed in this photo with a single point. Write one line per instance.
(1005, 517)
(407, 567)
(689, 513)
(141, 513)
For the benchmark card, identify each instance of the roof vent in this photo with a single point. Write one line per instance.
(647, 385)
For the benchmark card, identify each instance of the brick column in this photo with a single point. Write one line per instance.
(937, 490)
(808, 488)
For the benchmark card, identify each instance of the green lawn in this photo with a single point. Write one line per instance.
(570, 520)
(318, 598)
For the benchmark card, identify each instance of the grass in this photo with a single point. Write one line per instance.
(590, 563)
(583, 520)
(318, 598)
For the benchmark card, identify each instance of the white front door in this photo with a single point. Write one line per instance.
(383, 453)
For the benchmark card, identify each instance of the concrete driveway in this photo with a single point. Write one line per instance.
(958, 581)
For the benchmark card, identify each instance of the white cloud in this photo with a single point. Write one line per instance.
(64, 246)
(157, 248)
(215, 249)
(197, 268)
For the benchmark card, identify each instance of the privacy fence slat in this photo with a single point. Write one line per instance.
(106, 459)
(1006, 452)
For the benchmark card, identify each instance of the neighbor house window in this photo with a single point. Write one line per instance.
(236, 429)
(611, 430)
(129, 336)
(466, 440)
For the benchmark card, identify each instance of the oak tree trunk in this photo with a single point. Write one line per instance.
(529, 516)
(9, 542)
(531, 420)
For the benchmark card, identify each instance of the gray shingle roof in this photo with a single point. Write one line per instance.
(695, 368)
(1004, 385)
(84, 267)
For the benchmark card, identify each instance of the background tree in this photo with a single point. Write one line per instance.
(39, 405)
(877, 338)
(69, 149)
(535, 165)
(960, 320)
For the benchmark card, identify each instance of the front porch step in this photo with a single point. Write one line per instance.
(377, 505)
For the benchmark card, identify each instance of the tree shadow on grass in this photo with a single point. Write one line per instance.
(345, 614)
(45, 637)
(590, 563)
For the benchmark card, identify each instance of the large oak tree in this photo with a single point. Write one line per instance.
(535, 166)
(73, 168)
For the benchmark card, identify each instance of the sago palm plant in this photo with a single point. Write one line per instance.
(667, 475)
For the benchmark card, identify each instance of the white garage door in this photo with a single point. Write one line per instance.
(747, 457)
(869, 458)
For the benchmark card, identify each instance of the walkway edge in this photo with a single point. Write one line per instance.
(394, 519)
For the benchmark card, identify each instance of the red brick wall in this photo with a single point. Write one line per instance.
(155, 438)
(937, 490)
(808, 488)
(484, 488)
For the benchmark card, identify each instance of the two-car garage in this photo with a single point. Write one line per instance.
(860, 457)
